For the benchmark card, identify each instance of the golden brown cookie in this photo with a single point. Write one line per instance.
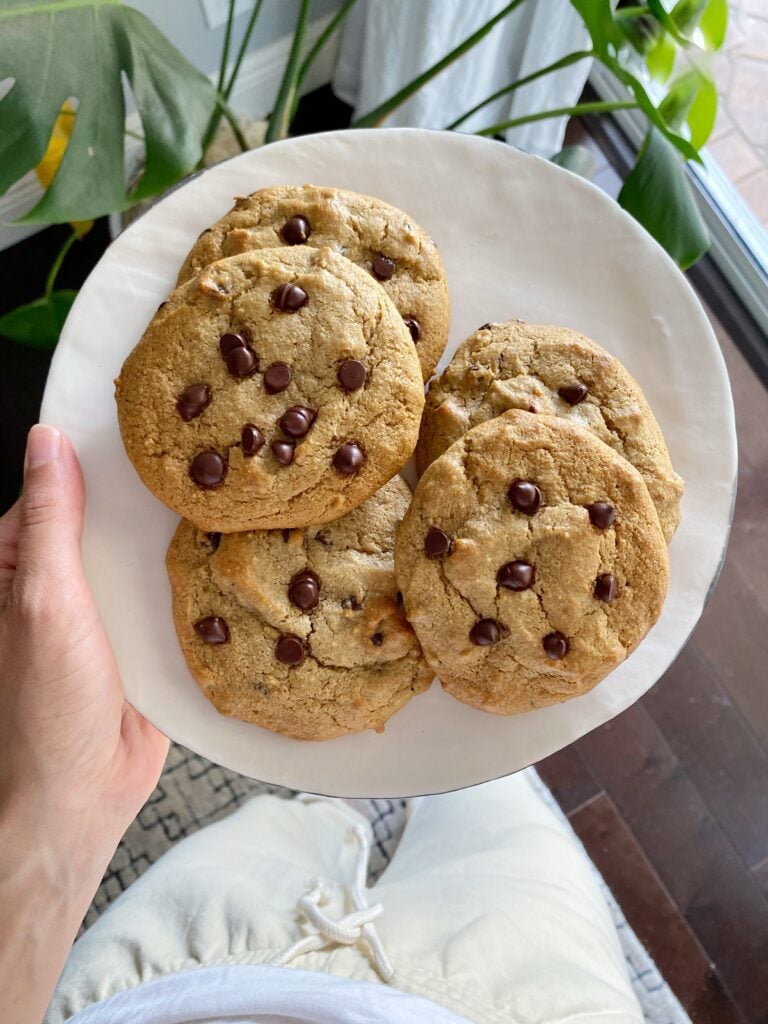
(275, 389)
(556, 371)
(531, 562)
(381, 239)
(300, 631)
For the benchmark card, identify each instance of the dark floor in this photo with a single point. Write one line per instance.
(670, 798)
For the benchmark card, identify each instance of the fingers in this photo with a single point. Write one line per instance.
(9, 536)
(50, 515)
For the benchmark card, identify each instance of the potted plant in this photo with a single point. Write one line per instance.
(64, 114)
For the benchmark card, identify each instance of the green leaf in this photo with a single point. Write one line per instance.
(597, 16)
(661, 58)
(714, 24)
(677, 102)
(686, 14)
(658, 195)
(38, 323)
(691, 100)
(659, 11)
(702, 113)
(642, 31)
(576, 159)
(607, 39)
(59, 50)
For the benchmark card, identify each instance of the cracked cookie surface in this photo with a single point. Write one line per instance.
(555, 371)
(300, 631)
(381, 239)
(275, 389)
(531, 562)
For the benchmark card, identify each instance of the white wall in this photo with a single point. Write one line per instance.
(183, 22)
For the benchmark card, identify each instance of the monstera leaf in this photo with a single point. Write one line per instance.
(658, 195)
(57, 51)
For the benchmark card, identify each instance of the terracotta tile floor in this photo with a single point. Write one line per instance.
(739, 142)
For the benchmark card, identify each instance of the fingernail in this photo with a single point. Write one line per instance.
(43, 445)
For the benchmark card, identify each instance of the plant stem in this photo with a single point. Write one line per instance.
(53, 273)
(377, 115)
(229, 115)
(225, 49)
(243, 48)
(280, 119)
(598, 107)
(322, 39)
(224, 92)
(571, 58)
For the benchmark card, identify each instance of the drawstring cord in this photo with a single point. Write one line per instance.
(350, 928)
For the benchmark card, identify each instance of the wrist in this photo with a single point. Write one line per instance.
(63, 857)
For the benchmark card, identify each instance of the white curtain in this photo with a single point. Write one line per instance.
(388, 42)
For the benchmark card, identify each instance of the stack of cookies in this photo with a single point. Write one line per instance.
(272, 401)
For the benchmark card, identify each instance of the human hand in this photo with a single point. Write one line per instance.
(76, 761)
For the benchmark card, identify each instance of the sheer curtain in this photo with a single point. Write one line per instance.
(388, 42)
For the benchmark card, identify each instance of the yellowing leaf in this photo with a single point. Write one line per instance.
(54, 154)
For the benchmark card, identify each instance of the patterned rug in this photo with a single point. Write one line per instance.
(193, 792)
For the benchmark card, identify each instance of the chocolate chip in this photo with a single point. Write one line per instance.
(296, 421)
(289, 298)
(573, 393)
(485, 633)
(162, 305)
(277, 377)
(214, 539)
(601, 514)
(304, 589)
(241, 362)
(351, 374)
(291, 649)
(516, 575)
(525, 496)
(377, 639)
(212, 629)
(192, 401)
(383, 267)
(437, 543)
(228, 342)
(606, 587)
(208, 469)
(351, 604)
(251, 439)
(556, 646)
(283, 451)
(413, 326)
(349, 458)
(485, 327)
(296, 230)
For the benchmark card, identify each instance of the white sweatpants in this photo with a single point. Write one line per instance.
(490, 908)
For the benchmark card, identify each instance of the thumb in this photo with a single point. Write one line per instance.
(51, 514)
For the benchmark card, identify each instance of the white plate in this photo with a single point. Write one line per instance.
(520, 238)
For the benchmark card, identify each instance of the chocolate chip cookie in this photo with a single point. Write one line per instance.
(275, 389)
(300, 631)
(531, 562)
(383, 240)
(550, 370)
